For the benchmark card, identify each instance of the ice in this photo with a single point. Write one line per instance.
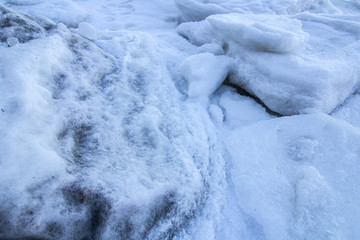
(88, 31)
(260, 32)
(116, 121)
(289, 175)
(204, 73)
(193, 10)
(302, 64)
(198, 33)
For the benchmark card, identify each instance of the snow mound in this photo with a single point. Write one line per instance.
(277, 34)
(104, 145)
(88, 31)
(296, 177)
(205, 72)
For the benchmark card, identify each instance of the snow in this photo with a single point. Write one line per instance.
(301, 184)
(240, 110)
(204, 73)
(88, 31)
(136, 119)
(213, 48)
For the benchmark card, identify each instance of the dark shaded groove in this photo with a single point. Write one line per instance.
(243, 92)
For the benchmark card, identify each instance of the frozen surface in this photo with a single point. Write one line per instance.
(114, 123)
(299, 64)
(305, 172)
(204, 73)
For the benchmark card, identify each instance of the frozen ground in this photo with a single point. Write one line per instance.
(135, 119)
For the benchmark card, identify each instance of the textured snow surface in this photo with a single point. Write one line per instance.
(134, 119)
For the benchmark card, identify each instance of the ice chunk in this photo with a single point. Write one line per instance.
(308, 76)
(88, 31)
(193, 10)
(260, 32)
(204, 73)
(197, 33)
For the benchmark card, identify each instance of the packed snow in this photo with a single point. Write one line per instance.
(135, 119)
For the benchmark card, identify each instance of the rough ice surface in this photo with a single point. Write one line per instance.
(136, 119)
(295, 64)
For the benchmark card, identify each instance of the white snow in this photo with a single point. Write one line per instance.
(115, 122)
(204, 73)
(305, 172)
(240, 110)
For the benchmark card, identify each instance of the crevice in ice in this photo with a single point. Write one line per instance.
(243, 92)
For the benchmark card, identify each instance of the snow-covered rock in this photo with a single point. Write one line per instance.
(204, 73)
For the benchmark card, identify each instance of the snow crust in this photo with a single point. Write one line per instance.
(115, 122)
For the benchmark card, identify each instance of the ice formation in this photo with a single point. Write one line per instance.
(135, 119)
